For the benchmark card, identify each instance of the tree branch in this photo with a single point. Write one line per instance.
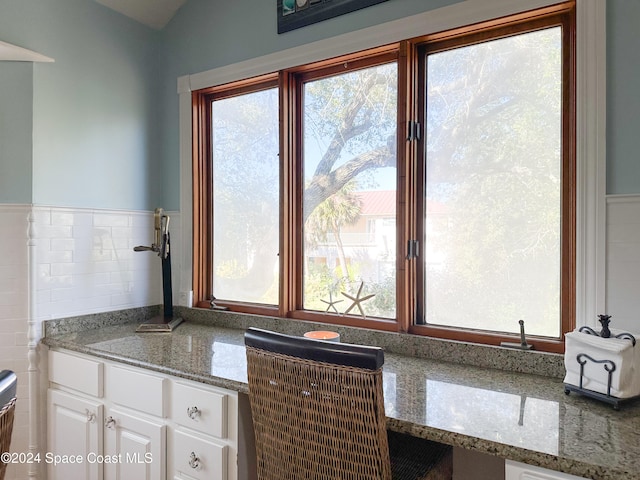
(348, 128)
(325, 185)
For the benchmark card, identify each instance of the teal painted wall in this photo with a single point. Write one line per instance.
(105, 114)
(201, 37)
(94, 112)
(206, 34)
(16, 121)
(623, 97)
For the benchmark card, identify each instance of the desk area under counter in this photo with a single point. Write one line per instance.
(516, 416)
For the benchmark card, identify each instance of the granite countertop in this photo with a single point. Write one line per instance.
(514, 415)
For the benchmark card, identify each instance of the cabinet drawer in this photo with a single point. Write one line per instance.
(521, 471)
(75, 372)
(199, 458)
(137, 390)
(199, 408)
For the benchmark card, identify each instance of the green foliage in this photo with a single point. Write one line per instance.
(384, 303)
(365, 100)
(319, 282)
(340, 209)
(231, 269)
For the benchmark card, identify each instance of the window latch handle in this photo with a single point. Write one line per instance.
(412, 249)
(413, 130)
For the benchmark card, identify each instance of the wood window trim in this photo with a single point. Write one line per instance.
(540, 344)
(298, 76)
(486, 29)
(202, 192)
(291, 239)
(560, 15)
(202, 189)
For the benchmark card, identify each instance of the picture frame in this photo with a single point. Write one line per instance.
(293, 14)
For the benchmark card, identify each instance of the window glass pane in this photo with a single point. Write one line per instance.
(246, 197)
(493, 176)
(349, 199)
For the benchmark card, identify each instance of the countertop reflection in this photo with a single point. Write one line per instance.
(526, 418)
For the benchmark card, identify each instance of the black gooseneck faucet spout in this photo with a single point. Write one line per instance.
(162, 246)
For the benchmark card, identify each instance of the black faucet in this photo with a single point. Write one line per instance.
(162, 246)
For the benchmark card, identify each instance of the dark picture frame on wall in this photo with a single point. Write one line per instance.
(294, 14)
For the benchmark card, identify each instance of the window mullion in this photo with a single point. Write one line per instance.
(568, 208)
(289, 188)
(407, 299)
(202, 199)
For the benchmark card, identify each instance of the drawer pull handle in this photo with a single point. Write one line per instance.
(194, 461)
(91, 417)
(193, 413)
(110, 422)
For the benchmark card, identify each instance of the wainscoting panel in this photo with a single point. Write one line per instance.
(623, 262)
(14, 311)
(58, 262)
(86, 262)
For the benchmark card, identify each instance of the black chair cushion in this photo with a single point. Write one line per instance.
(359, 356)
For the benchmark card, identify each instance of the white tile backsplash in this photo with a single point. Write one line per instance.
(87, 264)
(84, 264)
(623, 262)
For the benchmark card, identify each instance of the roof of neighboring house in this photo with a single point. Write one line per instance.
(378, 202)
(383, 203)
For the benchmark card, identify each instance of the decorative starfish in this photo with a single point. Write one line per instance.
(331, 303)
(357, 300)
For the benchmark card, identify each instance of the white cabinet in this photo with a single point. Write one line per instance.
(134, 446)
(521, 471)
(135, 425)
(198, 457)
(125, 422)
(203, 437)
(138, 390)
(201, 409)
(80, 374)
(75, 431)
(98, 426)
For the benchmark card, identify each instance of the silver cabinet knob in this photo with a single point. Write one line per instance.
(194, 461)
(110, 422)
(193, 413)
(91, 416)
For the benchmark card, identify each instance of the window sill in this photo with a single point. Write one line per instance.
(414, 345)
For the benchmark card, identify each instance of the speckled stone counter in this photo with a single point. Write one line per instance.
(515, 415)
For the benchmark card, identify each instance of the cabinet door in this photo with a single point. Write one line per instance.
(134, 447)
(74, 434)
(521, 471)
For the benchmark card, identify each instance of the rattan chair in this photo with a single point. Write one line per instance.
(8, 384)
(318, 414)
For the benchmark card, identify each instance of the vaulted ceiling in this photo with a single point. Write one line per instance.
(153, 13)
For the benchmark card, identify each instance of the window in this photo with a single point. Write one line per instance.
(243, 178)
(349, 171)
(426, 186)
(246, 178)
(498, 166)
